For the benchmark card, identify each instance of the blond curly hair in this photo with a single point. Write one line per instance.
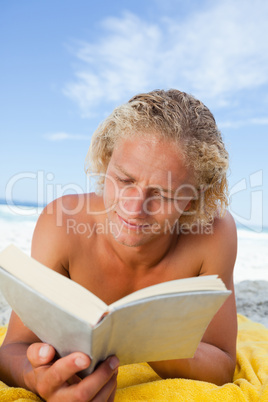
(179, 117)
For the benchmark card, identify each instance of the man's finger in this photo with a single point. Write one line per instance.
(40, 354)
(52, 378)
(112, 395)
(100, 385)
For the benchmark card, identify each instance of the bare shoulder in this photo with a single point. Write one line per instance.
(225, 226)
(220, 248)
(53, 238)
(224, 235)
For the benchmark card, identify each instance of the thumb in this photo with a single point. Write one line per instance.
(40, 354)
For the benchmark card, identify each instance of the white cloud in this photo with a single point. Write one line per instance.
(119, 65)
(62, 136)
(214, 53)
(261, 121)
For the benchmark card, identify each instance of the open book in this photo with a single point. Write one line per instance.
(160, 322)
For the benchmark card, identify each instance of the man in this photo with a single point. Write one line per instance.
(159, 215)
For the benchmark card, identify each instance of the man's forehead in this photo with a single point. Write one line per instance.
(167, 181)
(158, 159)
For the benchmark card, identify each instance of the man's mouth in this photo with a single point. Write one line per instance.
(132, 224)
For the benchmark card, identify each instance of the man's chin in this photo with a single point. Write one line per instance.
(133, 236)
(129, 243)
(131, 239)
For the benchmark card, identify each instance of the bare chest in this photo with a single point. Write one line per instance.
(110, 279)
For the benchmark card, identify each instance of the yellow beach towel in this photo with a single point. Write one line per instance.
(138, 382)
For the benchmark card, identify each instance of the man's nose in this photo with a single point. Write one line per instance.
(133, 202)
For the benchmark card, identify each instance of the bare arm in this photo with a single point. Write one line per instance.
(215, 357)
(26, 362)
(32, 366)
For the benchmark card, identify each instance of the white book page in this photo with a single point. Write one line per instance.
(199, 283)
(64, 292)
(168, 327)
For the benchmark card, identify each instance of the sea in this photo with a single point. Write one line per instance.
(17, 223)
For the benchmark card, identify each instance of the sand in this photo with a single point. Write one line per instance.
(4, 311)
(252, 300)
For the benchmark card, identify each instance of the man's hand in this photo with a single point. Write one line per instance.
(56, 381)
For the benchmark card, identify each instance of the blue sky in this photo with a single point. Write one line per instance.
(66, 64)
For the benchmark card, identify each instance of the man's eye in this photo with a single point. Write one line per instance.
(166, 198)
(158, 194)
(123, 180)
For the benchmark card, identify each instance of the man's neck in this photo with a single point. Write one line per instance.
(146, 256)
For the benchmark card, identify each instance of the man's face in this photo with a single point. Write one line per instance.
(147, 187)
